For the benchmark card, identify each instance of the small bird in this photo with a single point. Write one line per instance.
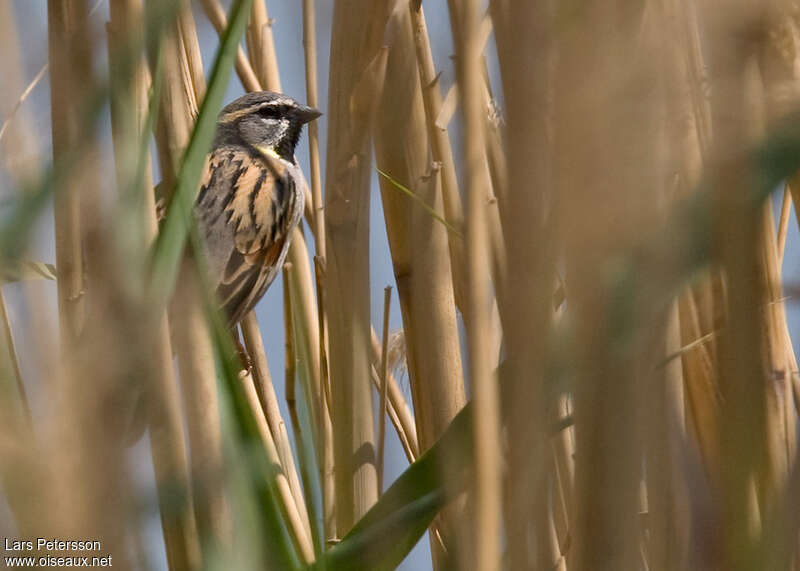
(251, 196)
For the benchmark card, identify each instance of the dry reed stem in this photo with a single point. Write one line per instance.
(523, 184)
(294, 520)
(218, 19)
(161, 391)
(664, 415)
(780, 417)
(195, 352)
(563, 445)
(387, 301)
(407, 445)
(738, 235)
(667, 548)
(304, 313)
(687, 144)
(356, 75)
(486, 432)
(312, 99)
(262, 54)
(261, 47)
(549, 553)
(12, 360)
(191, 48)
(250, 329)
(264, 60)
(65, 119)
(607, 194)
(418, 242)
(405, 426)
(177, 111)
(783, 223)
(93, 405)
(306, 325)
(9, 117)
(778, 56)
(271, 411)
(21, 476)
(700, 383)
(318, 228)
(312, 345)
(441, 150)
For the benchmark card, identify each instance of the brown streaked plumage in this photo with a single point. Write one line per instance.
(251, 197)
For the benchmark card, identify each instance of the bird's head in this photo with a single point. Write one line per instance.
(269, 122)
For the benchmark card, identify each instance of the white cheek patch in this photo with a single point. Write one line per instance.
(281, 126)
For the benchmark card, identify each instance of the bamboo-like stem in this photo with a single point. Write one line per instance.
(441, 150)
(738, 236)
(191, 47)
(418, 242)
(250, 329)
(312, 99)
(523, 185)
(318, 228)
(781, 441)
(196, 363)
(65, 102)
(194, 348)
(397, 403)
(405, 442)
(419, 245)
(702, 395)
(11, 351)
(304, 310)
(177, 110)
(563, 488)
(548, 550)
(387, 301)
(297, 529)
(356, 76)
(608, 191)
(783, 223)
(667, 428)
(488, 491)
(269, 405)
(777, 66)
(261, 47)
(218, 19)
(89, 459)
(290, 360)
(307, 326)
(312, 345)
(161, 392)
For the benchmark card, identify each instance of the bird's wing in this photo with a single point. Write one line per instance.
(247, 208)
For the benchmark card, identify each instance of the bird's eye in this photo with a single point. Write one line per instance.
(270, 112)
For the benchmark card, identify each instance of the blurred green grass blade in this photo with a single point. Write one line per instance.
(387, 532)
(279, 547)
(307, 457)
(384, 545)
(169, 246)
(413, 196)
(684, 244)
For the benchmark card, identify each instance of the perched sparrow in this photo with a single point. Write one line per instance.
(251, 196)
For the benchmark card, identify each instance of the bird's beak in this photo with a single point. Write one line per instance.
(306, 114)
